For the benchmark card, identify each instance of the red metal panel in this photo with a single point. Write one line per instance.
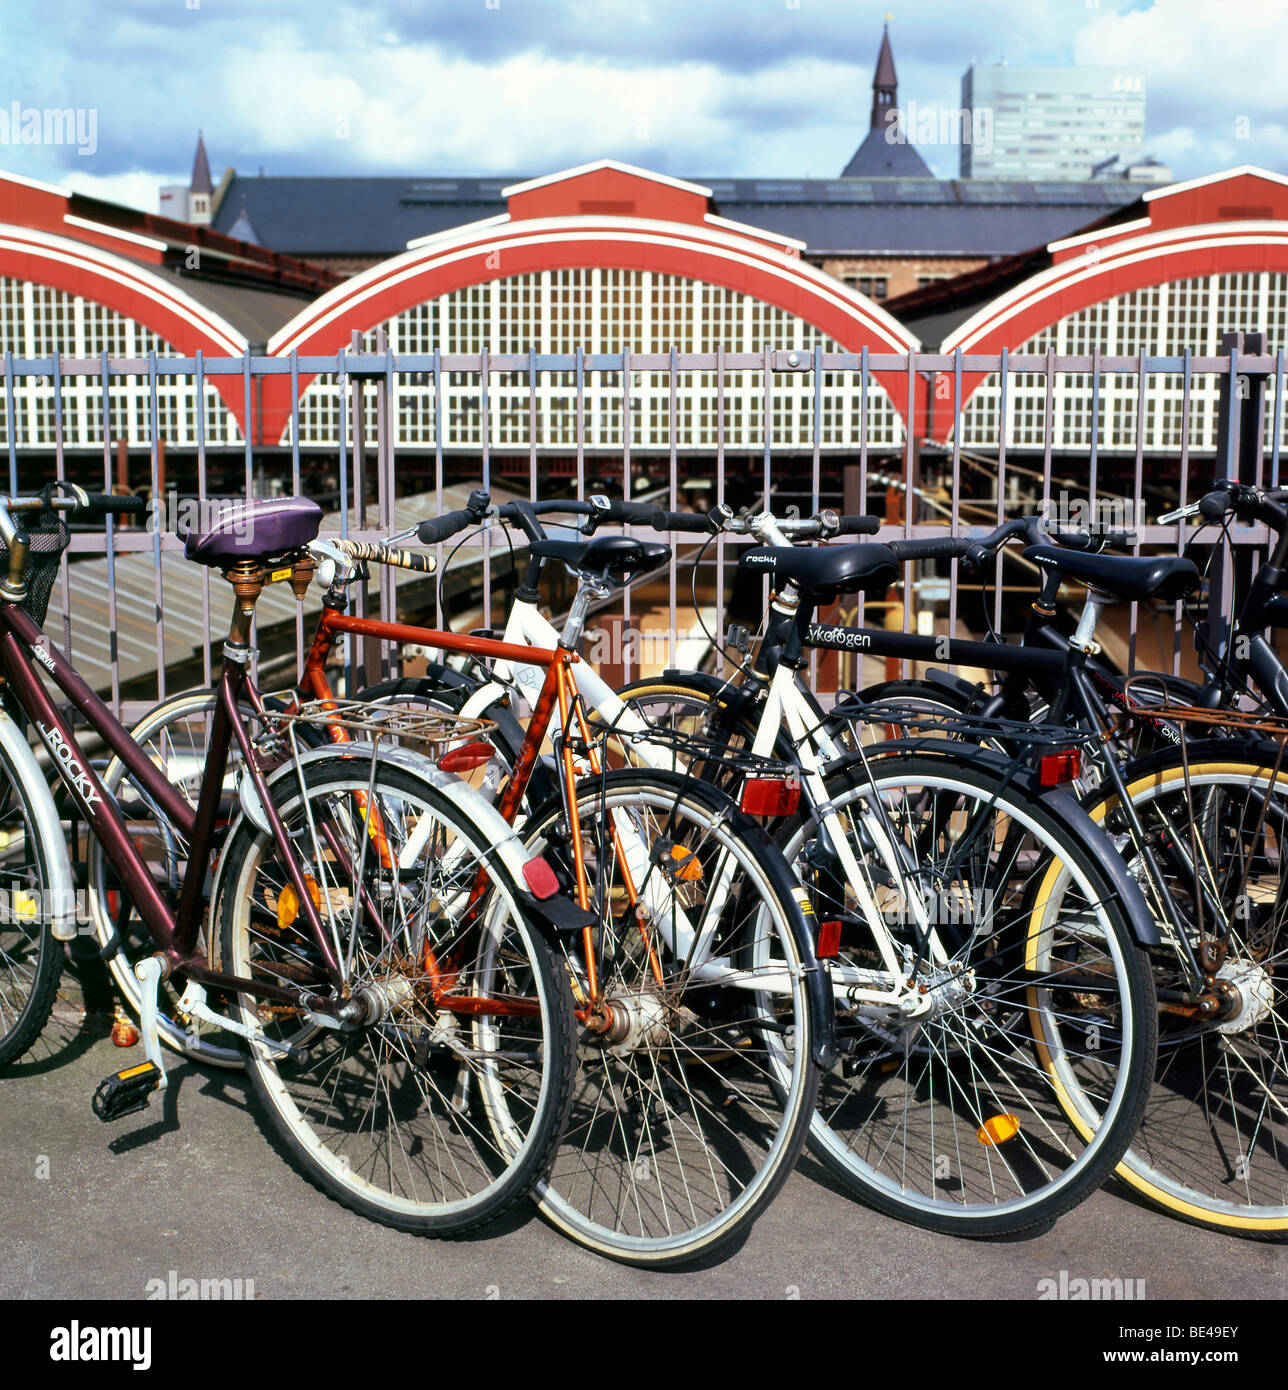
(614, 192)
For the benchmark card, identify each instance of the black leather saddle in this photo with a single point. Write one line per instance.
(822, 572)
(609, 559)
(1133, 577)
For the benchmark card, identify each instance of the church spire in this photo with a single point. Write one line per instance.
(201, 169)
(885, 86)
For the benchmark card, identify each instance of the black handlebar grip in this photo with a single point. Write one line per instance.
(859, 526)
(1214, 505)
(934, 549)
(110, 503)
(443, 528)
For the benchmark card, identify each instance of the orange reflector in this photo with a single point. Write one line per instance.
(1058, 768)
(288, 901)
(997, 1130)
(829, 940)
(685, 865)
(124, 1033)
(771, 796)
(467, 757)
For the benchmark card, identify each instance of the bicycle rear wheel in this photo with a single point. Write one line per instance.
(681, 1130)
(442, 1106)
(1013, 1085)
(1213, 1144)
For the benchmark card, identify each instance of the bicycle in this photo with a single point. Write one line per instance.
(651, 1169)
(325, 943)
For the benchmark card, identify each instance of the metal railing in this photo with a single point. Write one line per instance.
(926, 482)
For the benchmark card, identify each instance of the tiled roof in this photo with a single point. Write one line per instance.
(918, 215)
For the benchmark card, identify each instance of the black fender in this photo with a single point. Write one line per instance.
(1056, 802)
(802, 925)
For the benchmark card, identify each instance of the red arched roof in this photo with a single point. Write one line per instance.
(1225, 224)
(129, 288)
(624, 219)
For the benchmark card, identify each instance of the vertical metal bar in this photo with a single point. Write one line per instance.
(1095, 426)
(675, 506)
(720, 624)
(246, 408)
(1277, 422)
(1186, 384)
(955, 516)
(438, 472)
(863, 478)
(342, 430)
(581, 422)
(296, 485)
(1002, 404)
(200, 388)
(816, 471)
(1048, 434)
(485, 372)
(532, 423)
(13, 420)
(112, 645)
(627, 423)
(60, 472)
(386, 421)
(1137, 502)
(154, 431)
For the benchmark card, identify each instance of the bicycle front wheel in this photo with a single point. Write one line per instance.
(442, 1107)
(1213, 1145)
(31, 961)
(683, 1125)
(1010, 1081)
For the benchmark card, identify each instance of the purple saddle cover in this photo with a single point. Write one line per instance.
(251, 530)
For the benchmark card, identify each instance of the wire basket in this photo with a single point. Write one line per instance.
(49, 538)
(373, 722)
(1247, 723)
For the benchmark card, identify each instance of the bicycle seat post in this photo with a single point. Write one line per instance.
(589, 588)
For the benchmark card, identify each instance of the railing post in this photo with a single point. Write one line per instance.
(1241, 407)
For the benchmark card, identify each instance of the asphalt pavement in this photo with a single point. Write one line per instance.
(191, 1190)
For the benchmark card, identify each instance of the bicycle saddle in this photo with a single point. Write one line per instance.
(822, 572)
(253, 530)
(1132, 577)
(609, 559)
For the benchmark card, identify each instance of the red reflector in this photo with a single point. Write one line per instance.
(467, 757)
(540, 877)
(771, 796)
(829, 940)
(1057, 768)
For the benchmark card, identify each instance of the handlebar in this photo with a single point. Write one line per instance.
(1247, 502)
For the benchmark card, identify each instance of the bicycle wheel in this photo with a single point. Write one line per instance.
(681, 1132)
(174, 736)
(31, 961)
(429, 1115)
(1012, 1085)
(1213, 1144)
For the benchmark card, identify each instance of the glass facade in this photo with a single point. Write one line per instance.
(1050, 122)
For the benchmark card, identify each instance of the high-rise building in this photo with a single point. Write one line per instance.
(1051, 123)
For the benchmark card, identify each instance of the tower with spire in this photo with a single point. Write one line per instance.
(200, 188)
(885, 152)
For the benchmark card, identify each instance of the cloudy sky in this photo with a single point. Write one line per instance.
(776, 88)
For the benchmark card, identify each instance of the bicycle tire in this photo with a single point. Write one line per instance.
(447, 1150)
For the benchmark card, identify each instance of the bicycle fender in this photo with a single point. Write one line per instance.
(39, 804)
(1058, 803)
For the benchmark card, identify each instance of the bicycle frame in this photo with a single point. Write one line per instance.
(529, 634)
(175, 931)
(559, 690)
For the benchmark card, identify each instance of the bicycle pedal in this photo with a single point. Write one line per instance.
(126, 1091)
